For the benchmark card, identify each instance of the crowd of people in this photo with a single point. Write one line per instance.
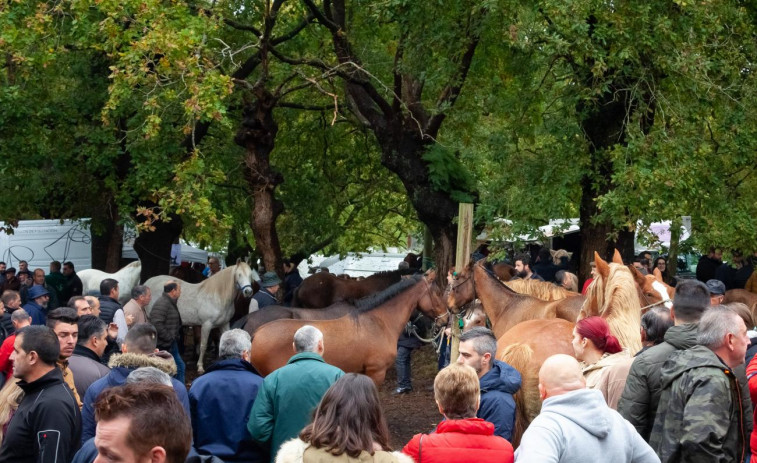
(97, 381)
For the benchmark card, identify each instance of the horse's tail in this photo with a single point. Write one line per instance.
(518, 356)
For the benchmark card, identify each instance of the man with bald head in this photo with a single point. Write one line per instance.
(576, 422)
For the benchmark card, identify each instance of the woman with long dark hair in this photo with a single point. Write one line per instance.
(348, 426)
(605, 364)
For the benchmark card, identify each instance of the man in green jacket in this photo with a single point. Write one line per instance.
(703, 416)
(288, 396)
(638, 404)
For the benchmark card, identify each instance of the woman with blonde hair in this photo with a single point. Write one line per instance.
(10, 397)
(348, 426)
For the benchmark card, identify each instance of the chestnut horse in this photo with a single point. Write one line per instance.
(652, 290)
(277, 312)
(612, 296)
(364, 341)
(743, 296)
(504, 307)
(323, 289)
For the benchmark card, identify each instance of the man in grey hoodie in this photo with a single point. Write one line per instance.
(575, 424)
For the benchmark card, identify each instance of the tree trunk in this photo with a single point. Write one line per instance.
(154, 247)
(675, 239)
(402, 153)
(257, 135)
(603, 127)
(107, 238)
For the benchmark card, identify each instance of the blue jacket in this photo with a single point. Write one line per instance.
(497, 404)
(36, 312)
(220, 403)
(121, 365)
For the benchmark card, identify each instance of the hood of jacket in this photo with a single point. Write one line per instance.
(689, 359)
(584, 407)
(161, 360)
(502, 377)
(682, 336)
(233, 364)
(606, 361)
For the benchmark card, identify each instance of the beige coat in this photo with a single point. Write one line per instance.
(297, 451)
(608, 375)
(134, 309)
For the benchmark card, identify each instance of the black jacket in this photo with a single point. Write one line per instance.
(167, 321)
(47, 425)
(108, 308)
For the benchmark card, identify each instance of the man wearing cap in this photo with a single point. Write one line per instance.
(269, 286)
(36, 305)
(717, 291)
(11, 282)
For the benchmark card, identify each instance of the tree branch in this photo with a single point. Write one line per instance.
(330, 25)
(452, 91)
(242, 27)
(305, 107)
(296, 30)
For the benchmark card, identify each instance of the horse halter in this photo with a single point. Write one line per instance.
(452, 287)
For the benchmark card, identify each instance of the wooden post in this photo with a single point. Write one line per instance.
(428, 248)
(462, 256)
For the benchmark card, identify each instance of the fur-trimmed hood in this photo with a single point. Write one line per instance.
(292, 452)
(161, 360)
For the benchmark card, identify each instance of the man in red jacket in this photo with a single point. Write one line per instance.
(461, 437)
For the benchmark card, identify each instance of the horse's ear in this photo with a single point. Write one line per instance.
(431, 274)
(616, 259)
(637, 276)
(603, 268)
(553, 252)
(657, 275)
(239, 260)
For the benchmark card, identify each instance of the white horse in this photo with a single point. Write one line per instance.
(127, 277)
(209, 304)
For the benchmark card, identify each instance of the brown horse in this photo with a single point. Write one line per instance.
(504, 307)
(744, 296)
(504, 272)
(364, 341)
(525, 347)
(323, 289)
(278, 312)
(651, 289)
(612, 295)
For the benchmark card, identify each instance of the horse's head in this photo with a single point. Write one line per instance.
(475, 317)
(243, 276)
(460, 290)
(432, 303)
(651, 289)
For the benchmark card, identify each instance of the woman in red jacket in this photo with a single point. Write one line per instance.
(461, 438)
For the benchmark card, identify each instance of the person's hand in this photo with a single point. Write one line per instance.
(448, 331)
(112, 331)
(130, 319)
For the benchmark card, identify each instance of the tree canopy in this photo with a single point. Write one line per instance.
(356, 122)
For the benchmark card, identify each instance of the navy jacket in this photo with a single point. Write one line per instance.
(497, 403)
(36, 312)
(220, 402)
(121, 365)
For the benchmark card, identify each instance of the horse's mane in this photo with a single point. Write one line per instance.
(390, 273)
(617, 301)
(221, 283)
(374, 300)
(540, 289)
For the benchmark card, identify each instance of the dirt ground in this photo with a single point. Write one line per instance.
(406, 414)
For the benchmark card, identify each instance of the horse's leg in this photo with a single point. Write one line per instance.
(204, 332)
(376, 374)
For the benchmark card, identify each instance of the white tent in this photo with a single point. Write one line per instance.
(186, 253)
